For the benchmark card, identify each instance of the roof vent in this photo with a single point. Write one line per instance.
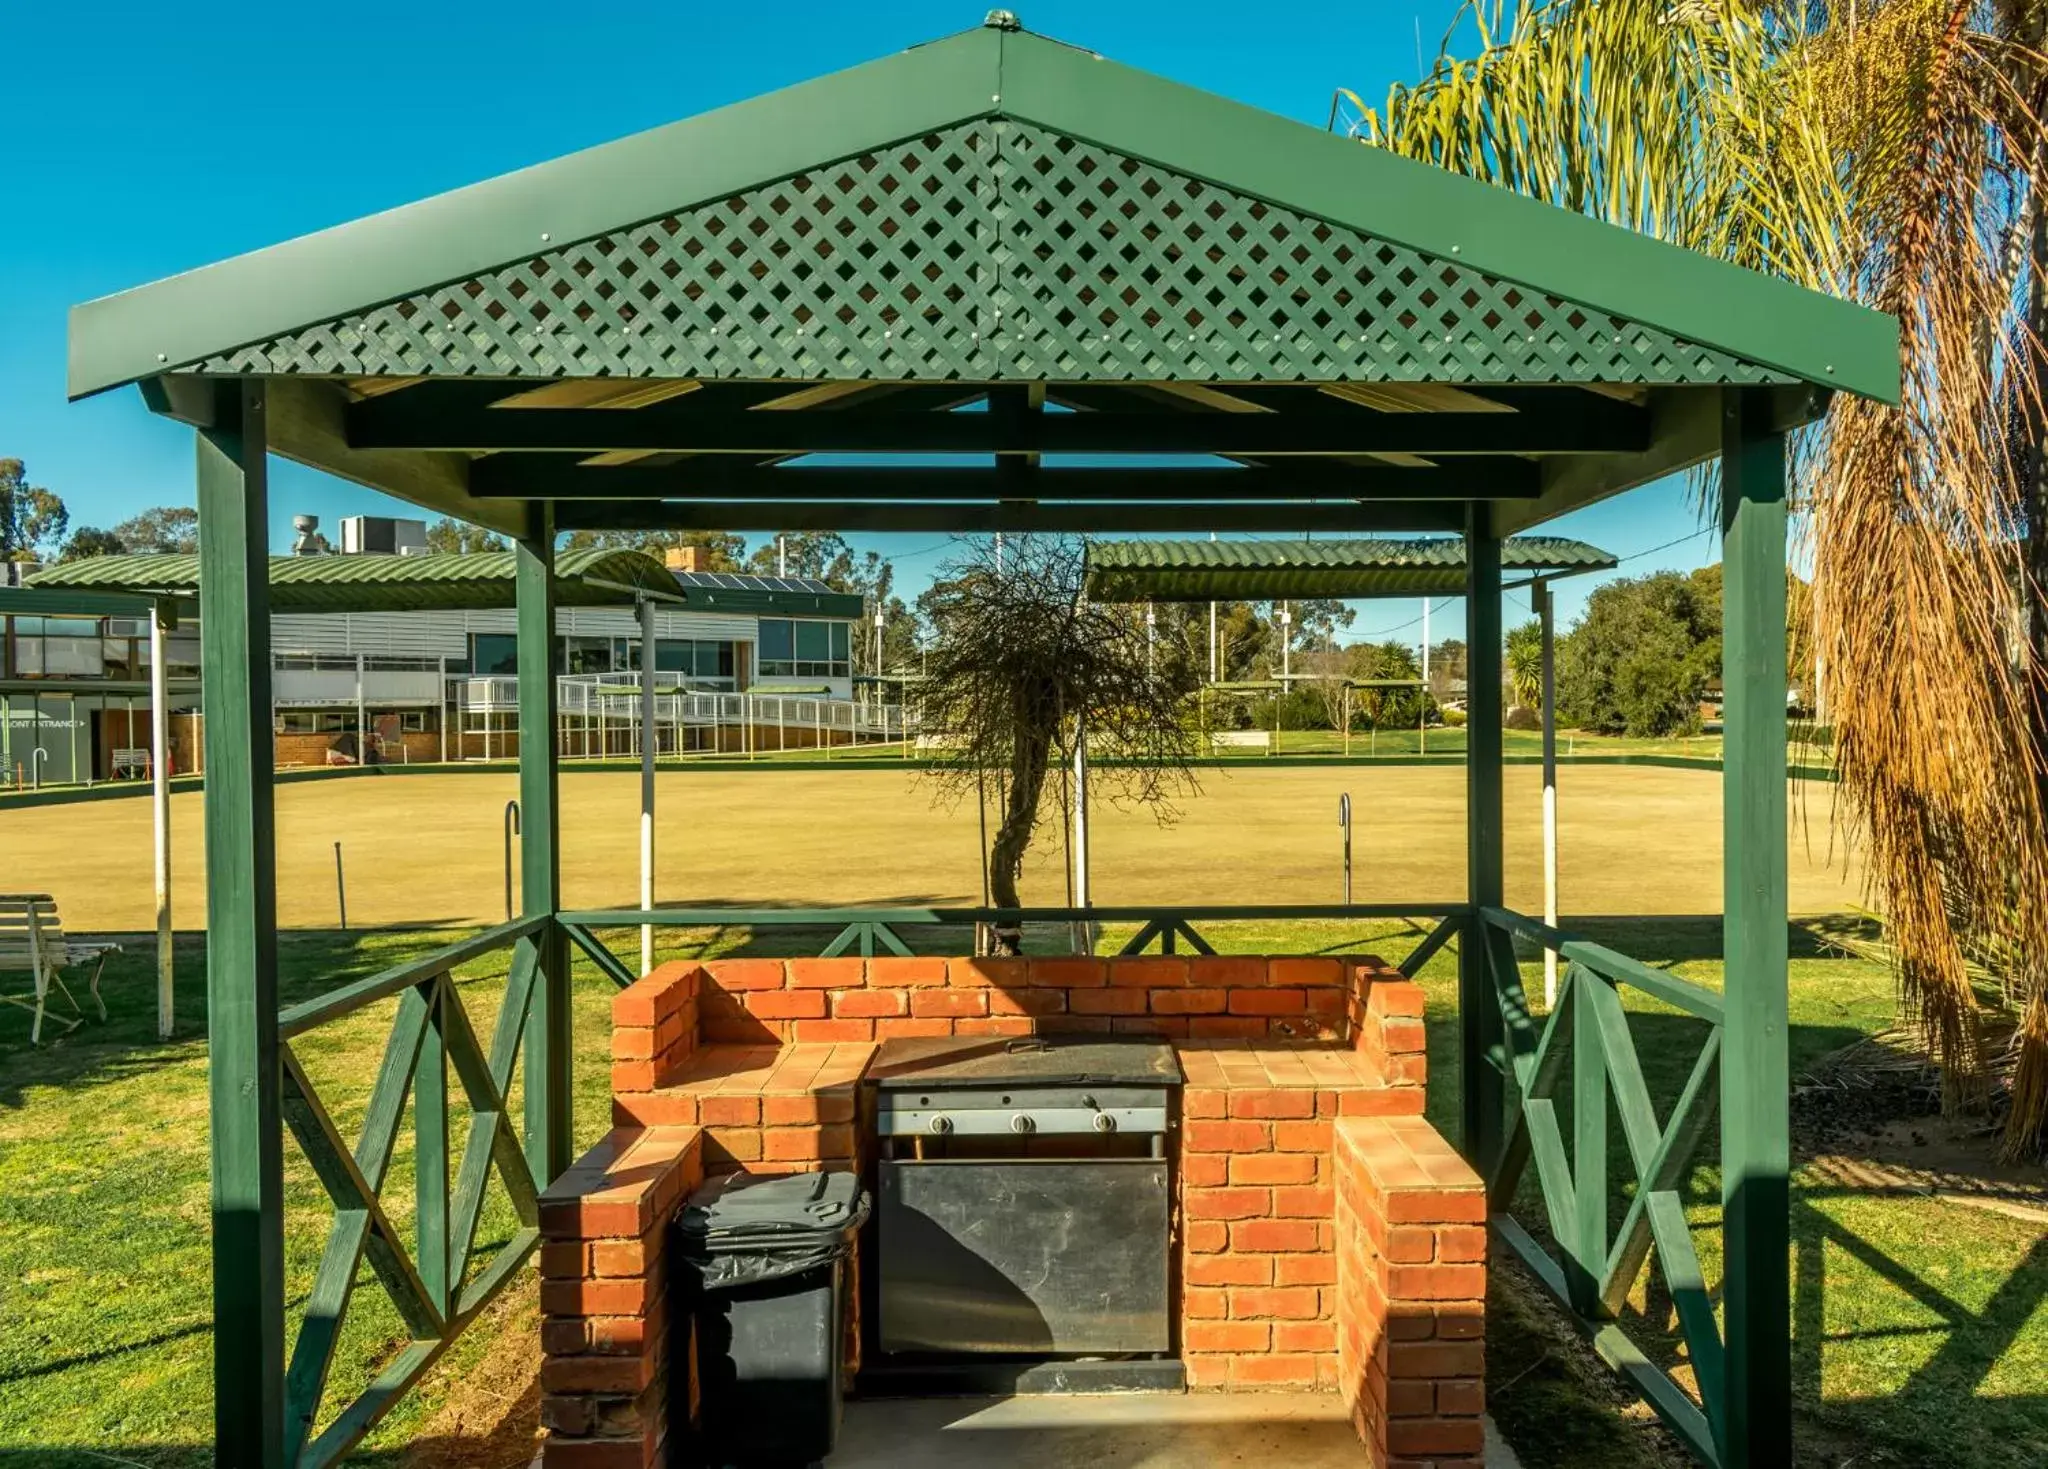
(1002, 20)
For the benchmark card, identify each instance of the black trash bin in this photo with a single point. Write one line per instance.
(762, 1269)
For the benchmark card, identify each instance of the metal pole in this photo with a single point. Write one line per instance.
(1544, 611)
(511, 831)
(160, 813)
(340, 888)
(1422, 715)
(441, 706)
(1344, 821)
(1081, 812)
(1755, 1143)
(1213, 674)
(362, 722)
(646, 780)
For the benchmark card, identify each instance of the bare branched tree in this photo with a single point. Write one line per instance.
(1019, 662)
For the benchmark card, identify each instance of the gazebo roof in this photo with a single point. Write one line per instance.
(377, 583)
(1258, 571)
(646, 333)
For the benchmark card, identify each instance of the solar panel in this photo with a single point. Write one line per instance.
(738, 582)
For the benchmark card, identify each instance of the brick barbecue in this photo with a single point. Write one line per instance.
(1327, 1238)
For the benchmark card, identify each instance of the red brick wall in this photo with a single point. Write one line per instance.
(604, 1370)
(1329, 1239)
(1411, 1287)
(777, 1001)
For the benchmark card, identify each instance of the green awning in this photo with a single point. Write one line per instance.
(591, 577)
(1261, 571)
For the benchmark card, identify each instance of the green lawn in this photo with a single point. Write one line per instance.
(1921, 1332)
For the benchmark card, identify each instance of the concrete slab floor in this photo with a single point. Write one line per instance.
(1108, 1431)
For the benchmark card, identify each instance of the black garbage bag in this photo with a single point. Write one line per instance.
(741, 1230)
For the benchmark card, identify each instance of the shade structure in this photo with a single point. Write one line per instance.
(1016, 259)
(378, 583)
(658, 331)
(1261, 571)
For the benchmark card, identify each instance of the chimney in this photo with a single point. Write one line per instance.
(685, 558)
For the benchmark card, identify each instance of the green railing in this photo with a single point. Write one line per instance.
(431, 1287)
(1593, 1270)
(873, 930)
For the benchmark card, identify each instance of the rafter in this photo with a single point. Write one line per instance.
(552, 477)
(1013, 516)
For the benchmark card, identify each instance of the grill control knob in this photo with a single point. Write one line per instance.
(1022, 1122)
(942, 1124)
(1104, 1122)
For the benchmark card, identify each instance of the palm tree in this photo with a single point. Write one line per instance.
(1525, 664)
(1892, 151)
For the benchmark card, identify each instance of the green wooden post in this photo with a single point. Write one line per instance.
(1480, 1051)
(430, 1151)
(1755, 1149)
(1586, 1260)
(548, 1070)
(244, 1082)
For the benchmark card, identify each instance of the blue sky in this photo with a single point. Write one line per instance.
(148, 139)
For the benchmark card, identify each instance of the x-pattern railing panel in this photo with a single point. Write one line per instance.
(432, 1288)
(1596, 1277)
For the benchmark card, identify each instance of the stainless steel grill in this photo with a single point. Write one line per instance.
(1025, 1199)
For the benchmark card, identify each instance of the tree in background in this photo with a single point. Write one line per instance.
(1395, 708)
(1892, 151)
(89, 541)
(1017, 659)
(1446, 668)
(718, 550)
(32, 519)
(1643, 656)
(459, 538)
(167, 529)
(1525, 664)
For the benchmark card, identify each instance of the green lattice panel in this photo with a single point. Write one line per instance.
(993, 250)
(864, 269)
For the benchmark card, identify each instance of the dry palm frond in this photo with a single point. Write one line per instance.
(1892, 152)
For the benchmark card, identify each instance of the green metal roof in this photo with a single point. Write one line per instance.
(991, 208)
(374, 583)
(1259, 571)
(1000, 85)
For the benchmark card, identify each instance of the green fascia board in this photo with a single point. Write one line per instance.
(450, 237)
(65, 602)
(1758, 318)
(1259, 571)
(454, 236)
(590, 576)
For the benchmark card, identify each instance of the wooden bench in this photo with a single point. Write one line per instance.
(1241, 739)
(32, 941)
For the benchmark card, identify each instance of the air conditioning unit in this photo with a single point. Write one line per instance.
(382, 535)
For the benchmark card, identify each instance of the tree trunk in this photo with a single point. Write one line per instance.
(1013, 836)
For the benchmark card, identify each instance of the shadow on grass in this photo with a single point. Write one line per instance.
(1924, 1419)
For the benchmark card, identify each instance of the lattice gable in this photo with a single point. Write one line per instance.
(995, 249)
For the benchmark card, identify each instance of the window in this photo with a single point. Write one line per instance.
(698, 661)
(494, 652)
(62, 647)
(585, 655)
(802, 649)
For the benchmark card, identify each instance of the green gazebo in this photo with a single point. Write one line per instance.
(654, 332)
